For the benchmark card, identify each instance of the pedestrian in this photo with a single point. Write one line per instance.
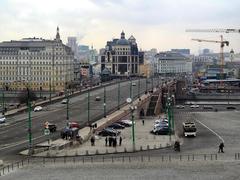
(221, 145)
(115, 139)
(106, 140)
(92, 140)
(114, 142)
(120, 141)
(143, 122)
(142, 114)
(110, 141)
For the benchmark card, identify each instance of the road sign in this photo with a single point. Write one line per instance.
(46, 131)
(129, 100)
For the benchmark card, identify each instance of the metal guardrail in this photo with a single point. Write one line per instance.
(125, 158)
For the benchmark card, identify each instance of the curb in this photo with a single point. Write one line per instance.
(97, 153)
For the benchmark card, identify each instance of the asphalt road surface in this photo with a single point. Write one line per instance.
(14, 134)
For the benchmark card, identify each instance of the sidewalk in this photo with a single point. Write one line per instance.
(144, 140)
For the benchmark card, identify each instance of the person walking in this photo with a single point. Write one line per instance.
(221, 146)
(106, 140)
(92, 141)
(110, 141)
(114, 142)
(142, 114)
(120, 141)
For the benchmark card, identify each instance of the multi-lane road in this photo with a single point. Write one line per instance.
(14, 134)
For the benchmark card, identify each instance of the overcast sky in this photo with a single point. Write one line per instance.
(157, 24)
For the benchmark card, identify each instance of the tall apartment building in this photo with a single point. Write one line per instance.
(72, 43)
(121, 56)
(173, 63)
(36, 63)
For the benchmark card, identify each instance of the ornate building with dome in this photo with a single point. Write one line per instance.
(121, 56)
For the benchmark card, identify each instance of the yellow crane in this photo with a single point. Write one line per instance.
(222, 44)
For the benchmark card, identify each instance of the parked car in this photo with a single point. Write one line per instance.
(134, 84)
(67, 133)
(162, 123)
(109, 132)
(38, 108)
(73, 125)
(125, 122)
(98, 98)
(2, 119)
(116, 126)
(161, 130)
(64, 101)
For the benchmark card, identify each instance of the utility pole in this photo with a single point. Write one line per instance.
(50, 88)
(3, 102)
(29, 123)
(172, 114)
(133, 128)
(146, 85)
(118, 94)
(88, 106)
(130, 91)
(138, 87)
(67, 106)
(152, 83)
(104, 100)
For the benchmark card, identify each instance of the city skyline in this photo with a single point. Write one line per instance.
(156, 24)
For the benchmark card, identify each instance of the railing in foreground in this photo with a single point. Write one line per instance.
(120, 158)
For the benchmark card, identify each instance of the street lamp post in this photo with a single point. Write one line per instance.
(130, 91)
(138, 87)
(29, 123)
(50, 88)
(104, 100)
(118, 94)
(169, 115)
(88, 106)
(169, 109)
(3, 102)
(152, 83)
(133, 127)
(67, 106)
(146, 85)
(172, 113)
(132, 109)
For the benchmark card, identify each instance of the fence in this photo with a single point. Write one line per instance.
(124, 158)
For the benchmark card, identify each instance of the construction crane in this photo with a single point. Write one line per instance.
(222, 44)
(214, 30)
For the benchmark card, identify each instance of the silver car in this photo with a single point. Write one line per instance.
(2, 119)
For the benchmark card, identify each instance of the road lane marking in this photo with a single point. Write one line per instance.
(211, 130)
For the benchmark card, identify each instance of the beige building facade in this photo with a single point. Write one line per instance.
(36, 63)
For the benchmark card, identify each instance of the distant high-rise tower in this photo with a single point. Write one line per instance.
(72, 43)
